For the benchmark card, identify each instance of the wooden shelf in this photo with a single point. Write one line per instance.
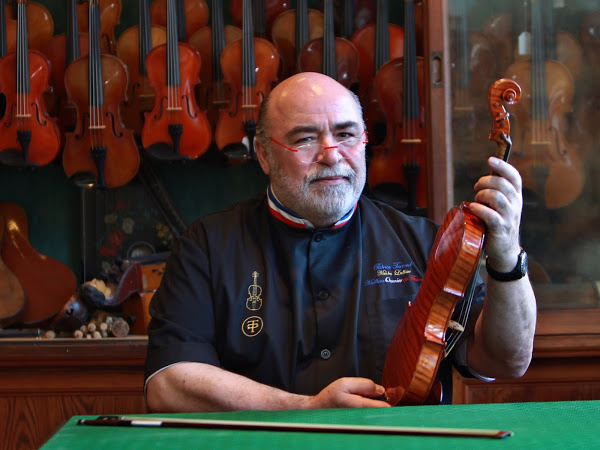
(44, 382)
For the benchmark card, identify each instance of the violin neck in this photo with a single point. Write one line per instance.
(73, 50)
(329, 68)
(2, 29)
(382, 35)
(145, 35)
(173, 71)
(539, 97)
(248, 59)
(218, 39)
(411, 102)
(22, 49)
(302, 30)
(96, 96)
(259, 18)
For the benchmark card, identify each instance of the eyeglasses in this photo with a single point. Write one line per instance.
(310, 148)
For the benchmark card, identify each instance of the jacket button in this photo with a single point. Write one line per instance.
(318, 237)
(325, 353)
(323, 295)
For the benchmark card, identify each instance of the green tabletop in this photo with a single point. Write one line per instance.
(535, 425)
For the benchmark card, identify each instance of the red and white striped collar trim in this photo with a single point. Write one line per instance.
(290, 218)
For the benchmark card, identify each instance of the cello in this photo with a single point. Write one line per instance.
(100, 152)
(250, 67)
(420, 343)
(47, 283)
(12, 295)
(29, 137)
(333, 56)
(401, 161)
(176, 128)
(133, 46)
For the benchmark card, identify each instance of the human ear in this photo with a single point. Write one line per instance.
(261, 155)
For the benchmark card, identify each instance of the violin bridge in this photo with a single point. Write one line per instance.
(455, 326)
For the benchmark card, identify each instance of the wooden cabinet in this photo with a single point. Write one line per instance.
(43, 383)
(565, 365)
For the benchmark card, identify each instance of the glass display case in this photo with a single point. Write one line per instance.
(552, 49)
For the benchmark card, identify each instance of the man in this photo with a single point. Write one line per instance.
(289, 300)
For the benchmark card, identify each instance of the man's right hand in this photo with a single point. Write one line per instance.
(349, 393)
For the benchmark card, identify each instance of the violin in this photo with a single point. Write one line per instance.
(264, 13)
(40, 25)
(548, 164)
(376, 44)
(47, 283)
(100, 152)
(420, 342)
(110, 17)
(355, 15)
(192, 15)
(401, 161)
(12, 295)
(212, 93)
(29, 137)
(333, 56)
(250, 67)
(176, 128)
(291, 30)
(133, 46)
(61, 51)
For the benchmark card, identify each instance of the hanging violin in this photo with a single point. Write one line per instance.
(109, 12)
(549, 165)
(192, 15)
(133, 46)
(212, 93)
(333, 56)
(100, 152)
(29, 137)
(401, 161)
(250, 67)
(176, 128)
(376, 44)
(420, 342)
(61, 51)
(291, 30)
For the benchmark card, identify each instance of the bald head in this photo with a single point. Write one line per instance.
(303, 91)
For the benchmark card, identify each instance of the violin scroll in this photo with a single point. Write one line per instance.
(507, 91)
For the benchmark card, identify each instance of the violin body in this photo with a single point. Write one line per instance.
(175, 105)
(245, 99)
(196, 15)
(40, 27)
(122, 157)
(547, 163)
(404, 147)
(47, 283)
(272, 9)
(110, 17)
(310, 59)
(283, 35)
(140, 95)
(26, 113)
(419, 343)
(364, 39)
(12, 295)
(212, 93)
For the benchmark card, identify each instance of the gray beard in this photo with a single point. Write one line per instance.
(321, 205)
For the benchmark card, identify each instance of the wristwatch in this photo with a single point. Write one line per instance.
(516, 274)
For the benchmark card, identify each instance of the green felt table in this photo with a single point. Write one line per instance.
(534, 425)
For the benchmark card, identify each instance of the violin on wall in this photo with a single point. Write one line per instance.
(29, 137)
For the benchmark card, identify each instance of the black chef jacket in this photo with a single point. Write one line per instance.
(288, 307)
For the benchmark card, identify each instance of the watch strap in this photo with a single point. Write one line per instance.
(517, 273)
